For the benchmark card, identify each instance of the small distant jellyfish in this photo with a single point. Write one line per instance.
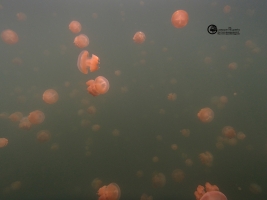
(172, 97)
(3, 142)
(179, 18)
(233, 66)
(178, 175)
(25, 123)
(21, 16)
(188, 162)
(16, 116)
(36, 117)
(255, 188)
(75, 27)
(81, 41)
(91, 110)
(227, 9)
(84, 62)
(185, 132)
(117, 73)
(97, 183)
(96, 127)
(50, 96)
(205, 115)
(158, 180)
(206, 158)
(229, 132)
(110, 192)
(139, 37)
(43, 136)
(9, 36)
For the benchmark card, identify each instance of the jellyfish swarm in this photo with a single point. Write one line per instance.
(9, 36)
(179, 18)
(139, 37)
(84, 62)
(110, 192)
(98, 86)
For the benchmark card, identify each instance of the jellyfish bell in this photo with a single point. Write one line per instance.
(84, 62)
(110, 192)
(50, 96)
(213, 195)
(101, 84)
(81, 41)
(179, 18)
(9, 36)
(205, 115)
(139, 37)
(75, 26)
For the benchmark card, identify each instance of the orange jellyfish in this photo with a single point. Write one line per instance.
(43, 136)
(110, 192)
(98, 86)
(206, 158)
(139, 37)
(84, 62)
(206, 115)
(25, 123)
(172, 97)
(97, 183)
(91, 110)
(36, 117)
(179, 18)
(229, 132)
(21, 16)
(50, 96)
(101, 84)
(9, 36)
(213, 195)
(227, 9)
(81, 41)
(201, 194)
(233, 66)
(178, 175)
(158, 180)
(75, 27)
(3, 142)
(16, 116)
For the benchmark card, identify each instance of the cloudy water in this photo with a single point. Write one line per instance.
(129, 100)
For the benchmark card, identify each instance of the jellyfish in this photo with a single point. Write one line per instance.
(101, 84)
(21, 16)
(3, 142)
(75, 27)
(36, 117)
(25, 123)
(212, 193)
(206, 115)
(50, 96)
(227, 9)
(81, 41)
(98, 86)
(178, 175)
(43, 136)
(84, 62)
(172, 97)
(206, 158)
(9, 36)
(158, 180)
(139, 37)
(110, 192)
(229, 132)
(16, 116)
(179, 18)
